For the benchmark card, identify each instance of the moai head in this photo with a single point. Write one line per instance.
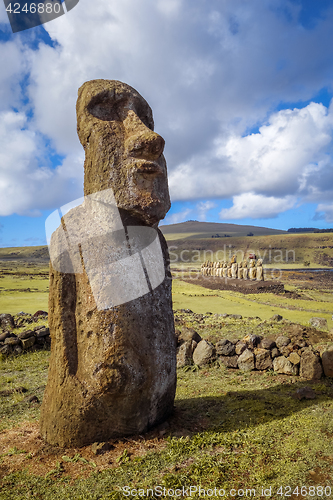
(122, 152)
(233, 259)
(252, 263)
(259, 262)
(225, 264)
(244, 263)
(240, 265)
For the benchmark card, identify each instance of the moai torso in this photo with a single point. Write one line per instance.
(234, 270)
(252, 271)
(240, 271)
(260, 271)
(245, 270)
(113, 358)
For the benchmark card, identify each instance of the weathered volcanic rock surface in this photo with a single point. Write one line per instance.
(112, 369)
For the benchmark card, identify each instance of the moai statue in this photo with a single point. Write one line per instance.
(240, 271)
(113, 354)
(245, 270)
(252, 270)
(229, 270)
(260, 271)
(220, 269)
(234, 270)
(233, 259)
(225, 270)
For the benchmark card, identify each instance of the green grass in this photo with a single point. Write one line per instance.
(28, 370)
(200, 300)
(278, 251)
(23, 287)
(230, 430)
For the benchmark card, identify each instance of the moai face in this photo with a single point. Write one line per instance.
(116, 129)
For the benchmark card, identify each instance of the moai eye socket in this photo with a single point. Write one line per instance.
(105, 107)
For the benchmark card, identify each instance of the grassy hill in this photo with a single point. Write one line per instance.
(278, 250)
(200, 230)
(192, 242)
(31, 254)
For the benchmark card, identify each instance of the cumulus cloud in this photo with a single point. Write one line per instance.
(256, 206)
(177, 217)
(324, 212)
(27, 183)
(211, 72)
(291, 155)
(203, 207)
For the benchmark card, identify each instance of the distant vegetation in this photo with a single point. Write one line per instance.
(309, 230)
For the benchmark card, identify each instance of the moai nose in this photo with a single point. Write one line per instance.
(141, 141)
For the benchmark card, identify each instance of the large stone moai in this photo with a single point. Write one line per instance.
(113, 356)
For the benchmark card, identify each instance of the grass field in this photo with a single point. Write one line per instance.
(230, 429)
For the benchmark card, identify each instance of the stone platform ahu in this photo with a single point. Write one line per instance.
(113, 355)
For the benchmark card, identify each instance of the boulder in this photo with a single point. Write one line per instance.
(42, 332)
(327, 361)
(26, 334)
(3, 336)
(246, 361)
(294, 358)
(282, 341)
(188, 334)
(204, 353)
(185, 353)
(254, 341)
(27, 343)
(6, 349)
(318, 323)
(6, 321)
(310, 366)
(275, 352)
(12, 341)
(40, 313)
(240, 347)
(286, 350)
(276, 317)
(263, 360)
(225, 348)
(267, 343)
(229, 361)
(283, 365)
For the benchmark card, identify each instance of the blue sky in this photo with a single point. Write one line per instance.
(241, 91)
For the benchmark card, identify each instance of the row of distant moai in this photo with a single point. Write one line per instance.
(246, 270)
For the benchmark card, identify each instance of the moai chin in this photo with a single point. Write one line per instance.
(113, 355)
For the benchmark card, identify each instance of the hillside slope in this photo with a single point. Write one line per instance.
(199, 230)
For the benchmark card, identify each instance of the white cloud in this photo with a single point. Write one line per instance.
(289, 155)
(210, 70)
(255, 206)
(203, 207)
(325, 211)
(27, 182)
(177, 217)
